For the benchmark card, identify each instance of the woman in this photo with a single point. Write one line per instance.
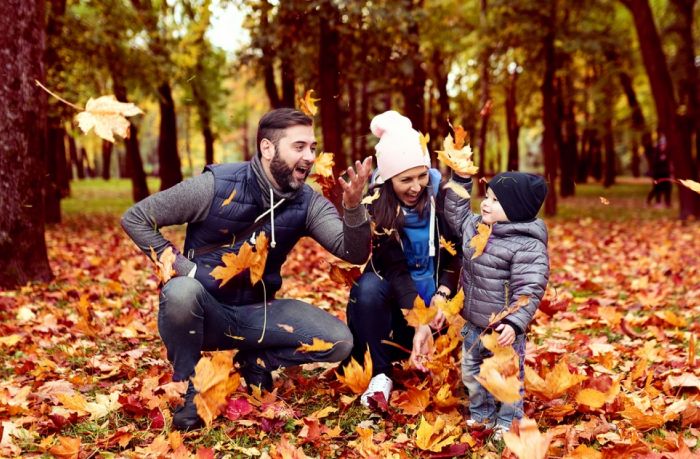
(406, 260)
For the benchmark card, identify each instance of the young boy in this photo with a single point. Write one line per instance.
(514, 264)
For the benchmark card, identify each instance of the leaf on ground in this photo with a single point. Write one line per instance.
(413, 401)
(556, 382)
(528, 443)
(434, 437)
(584, 452)
(308, 104)
(67, 448)
(499, 373)
(107, 115)
(315, 346)
(355, 376)
(480, 239)
(595, 398)
(324, 164)
(420, 314)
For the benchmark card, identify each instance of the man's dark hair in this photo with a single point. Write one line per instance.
(274, 122)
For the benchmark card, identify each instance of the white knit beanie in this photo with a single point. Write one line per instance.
(399, 147)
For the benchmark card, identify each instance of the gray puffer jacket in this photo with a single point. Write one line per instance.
(514, 263)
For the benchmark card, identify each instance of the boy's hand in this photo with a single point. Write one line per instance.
(507, 336)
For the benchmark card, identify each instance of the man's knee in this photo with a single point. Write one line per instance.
(179, 299)
(341, 350)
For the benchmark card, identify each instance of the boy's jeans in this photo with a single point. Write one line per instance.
(191, 320)
(484, 408)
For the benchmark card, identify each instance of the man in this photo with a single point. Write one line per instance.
(225, 206)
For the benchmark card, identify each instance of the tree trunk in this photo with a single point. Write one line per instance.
(485, 98)
(666, 107)
(107, 148)
(414, 90)
(549, 148)
(634, 161)
(512, 125)
(638, 122)
(329, 91)
(75, 160)
(168, 158)
(52, 191)
(268, 57)
(609, 144)
(440, 64)
(23, 123)
(569, 139)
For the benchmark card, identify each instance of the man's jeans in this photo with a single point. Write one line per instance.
(191, 320)
(483, 407)
(373, 316)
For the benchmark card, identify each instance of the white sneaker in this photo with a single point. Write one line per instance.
(498, 432)
(380, 383)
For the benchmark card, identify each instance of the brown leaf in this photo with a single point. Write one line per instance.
(214, 383)
(164, 264)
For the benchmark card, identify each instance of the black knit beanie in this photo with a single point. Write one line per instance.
(521, 195)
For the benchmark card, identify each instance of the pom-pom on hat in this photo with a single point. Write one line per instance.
(521, 195)
(399, 147)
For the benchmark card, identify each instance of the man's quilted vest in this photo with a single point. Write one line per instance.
(226, 221)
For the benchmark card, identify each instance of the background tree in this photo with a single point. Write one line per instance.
(23, 123)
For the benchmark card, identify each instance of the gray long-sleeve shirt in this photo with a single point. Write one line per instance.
(189, 202)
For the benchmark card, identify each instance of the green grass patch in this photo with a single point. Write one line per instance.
(98, 196)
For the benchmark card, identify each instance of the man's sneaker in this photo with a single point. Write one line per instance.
(185, 417)
(255, 375)
(380, 383)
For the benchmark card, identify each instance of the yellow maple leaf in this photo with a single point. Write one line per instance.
(457, 159)
(639, 419)
(324, 164)
(419, 314)
(246, 258)
(355, 376)
(434, 437)
(447, 245)
(424, 139)
(452, 306)
(257, 269)
(413, 401)
(499, 373)
(308, 103)
(584, 452)
(107, 115)
(67, 448)
(478, 242)
(316, 345)
(214, 383)
(460, 136)
(529, 443)
(370, 199)
(228, 200)
(444, 398)
(557, 381)
(693, 185)
(458, 189)
(595, 398)
(164, 264)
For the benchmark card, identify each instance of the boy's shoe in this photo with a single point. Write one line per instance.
(498, 432)
(380, 383)
(185, 417)
(474, 424)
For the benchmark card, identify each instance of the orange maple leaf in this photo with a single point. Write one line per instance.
(447, 245)
(413, 401)
(639, 419)
(355, 376)
(444, 398)
(457, 159)
(499, 373)
(478, 242)
(316, 345)
(528, 443)
(434, 437)
(523, 300)
(324, 164)
(555, 384)
(67, 448)
(452, 306)
(286, 450)
(164, 264)
(214, 383)
(308, 103)
(344, 273)
(460, 136)
(595, 398)
(419, 314)
(228, 200)
(236, 263)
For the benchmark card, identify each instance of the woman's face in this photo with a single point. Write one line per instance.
(409, 184)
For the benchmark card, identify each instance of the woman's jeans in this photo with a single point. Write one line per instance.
(483, 407)
(191, 320)
(373, 316)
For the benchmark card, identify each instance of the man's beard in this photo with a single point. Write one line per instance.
(283, 174)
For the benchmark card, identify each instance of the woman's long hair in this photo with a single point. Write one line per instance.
(386, 210)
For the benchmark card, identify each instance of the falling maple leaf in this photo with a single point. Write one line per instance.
(419, 314)
(107, 115)
(228, 200)
(308, 103)
(164, 264)
(604, 201)
(479, 241)
(528, 443)
(499, 373)
(355, 376)
(214, 383)
(458, 189)
(434, 437)
(424, 139)
(246, 258)
(344, 273)
(324, 164)
(370, 199)
(316, 345)
(556, 383)
(693, 185)
(447, 245)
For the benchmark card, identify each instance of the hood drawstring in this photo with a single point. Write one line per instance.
(270, 211)
(431, 233)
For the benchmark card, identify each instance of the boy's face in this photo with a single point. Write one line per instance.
(491, 210)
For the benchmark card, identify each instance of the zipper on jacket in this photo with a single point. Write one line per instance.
(506, 286)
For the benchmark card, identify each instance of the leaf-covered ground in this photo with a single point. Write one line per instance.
(611, 357)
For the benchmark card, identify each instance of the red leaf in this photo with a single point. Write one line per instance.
(237, 408)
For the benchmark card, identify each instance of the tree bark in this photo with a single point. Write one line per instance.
(268, 57)
(168, 158)
(23, 122)
(414, 90)
(638, 122)
(443, 114)
(666, 106)
(52, 192)
(549, 148)
(329, 91)
(512, 125)
(107, 148)
(485, 97)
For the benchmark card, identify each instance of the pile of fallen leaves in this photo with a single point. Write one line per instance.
(611, 361)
